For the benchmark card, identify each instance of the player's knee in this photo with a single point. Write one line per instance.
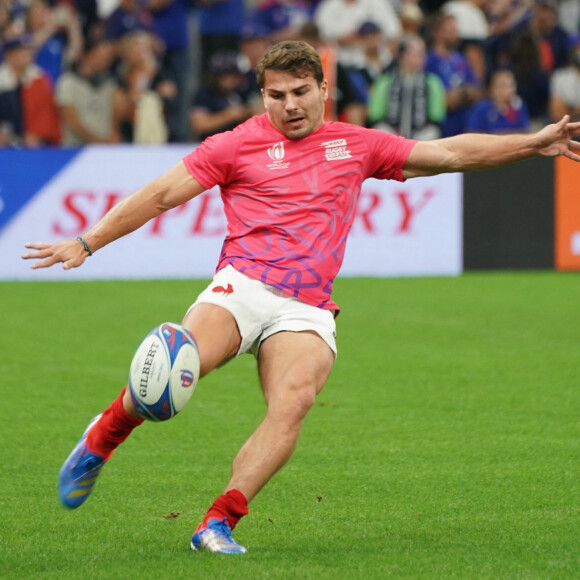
(295, 402)
(303, 403)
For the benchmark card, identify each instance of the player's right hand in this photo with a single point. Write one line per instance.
(70, 253)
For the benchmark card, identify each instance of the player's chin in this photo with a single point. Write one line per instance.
(298, 133)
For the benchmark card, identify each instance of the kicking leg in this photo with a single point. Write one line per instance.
(109, 429)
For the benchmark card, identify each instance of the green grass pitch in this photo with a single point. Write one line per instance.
(445, 445)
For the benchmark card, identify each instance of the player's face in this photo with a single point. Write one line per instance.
(295, 105)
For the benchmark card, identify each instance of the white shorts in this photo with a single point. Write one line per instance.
(260, 310)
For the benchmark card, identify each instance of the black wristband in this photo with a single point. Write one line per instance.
(85, 245)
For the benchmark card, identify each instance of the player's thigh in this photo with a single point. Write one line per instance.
(216, 334)
(293, 368)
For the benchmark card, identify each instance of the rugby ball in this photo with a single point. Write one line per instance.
(164, 372)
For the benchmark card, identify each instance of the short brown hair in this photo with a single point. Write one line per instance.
(295, 57)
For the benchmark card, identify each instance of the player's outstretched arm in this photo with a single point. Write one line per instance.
(470, 152)
(171, 189)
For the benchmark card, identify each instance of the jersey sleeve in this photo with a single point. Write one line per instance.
(212, 162)
(387, 154)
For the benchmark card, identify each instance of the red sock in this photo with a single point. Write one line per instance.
(112, 428)
(231, 505)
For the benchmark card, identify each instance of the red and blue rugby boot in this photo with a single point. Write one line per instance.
(79, 472)
(216, 536)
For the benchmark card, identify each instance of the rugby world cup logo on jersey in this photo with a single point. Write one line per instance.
(336, 149)
(276, 154)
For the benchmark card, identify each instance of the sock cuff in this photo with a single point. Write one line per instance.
(120, 413)
(239, 502)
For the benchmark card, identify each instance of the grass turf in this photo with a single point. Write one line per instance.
(444, 445)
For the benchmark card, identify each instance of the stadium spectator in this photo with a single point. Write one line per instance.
(282, 19)
(130, 15)
(91, 103)
(147, 92)
(28, 114)
(219, 105)
(57, 37)
(569, 16)
(473, 31)
(344, 102)
(406, 100)
(220, 27)
(12, 19)
(376, 58)
(171, 26)
(565, 86)
(553, 38)
(462, 86)
(470, 17)
(506, 15)
(88, 15)
(412, 18)
(253, 45)
(502, 111)
(532, 81)
(339, 21)
(541, 23)
(5, 17)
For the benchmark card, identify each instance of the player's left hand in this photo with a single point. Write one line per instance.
(71, 253)
(556, 139)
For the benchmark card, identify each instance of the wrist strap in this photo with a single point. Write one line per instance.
(85, 245)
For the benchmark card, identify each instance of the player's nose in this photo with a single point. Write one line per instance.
(290, 104)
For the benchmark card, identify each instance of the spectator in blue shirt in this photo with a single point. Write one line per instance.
(128, 17)
(503, 111)
(462, 86)
(170, 19)
(220, 27)
(542, 23)
(56, 36)
(282, 19)
(219, 105)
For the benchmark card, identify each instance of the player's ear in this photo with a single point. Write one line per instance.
(324, 89)
(264, 99)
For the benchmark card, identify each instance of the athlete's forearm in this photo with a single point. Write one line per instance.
(173, 188)
(470, 152)
(127, 216)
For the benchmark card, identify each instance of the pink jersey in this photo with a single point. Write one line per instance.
(290, 204)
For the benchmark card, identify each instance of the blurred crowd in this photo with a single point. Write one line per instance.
(74, 72)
